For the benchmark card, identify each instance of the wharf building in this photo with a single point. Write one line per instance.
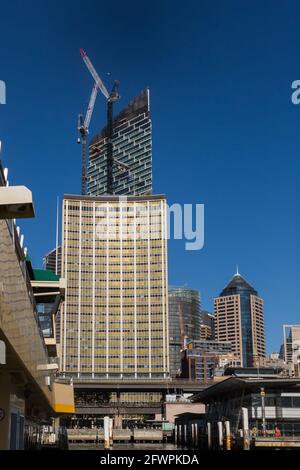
(239, 318)
(184, 323)
(114, 321)
(258, 404)
(132, 147)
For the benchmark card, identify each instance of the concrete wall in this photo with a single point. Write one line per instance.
(5, 387)
(17, 319)
(171, 410)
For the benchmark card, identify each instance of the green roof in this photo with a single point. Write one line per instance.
(44, 275)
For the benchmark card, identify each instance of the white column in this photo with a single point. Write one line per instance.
(163, 287)
(107, 287)
(93, 289)
(79, 291)
(149, 290)
(65, 229)
(135, 301)
(121, 285)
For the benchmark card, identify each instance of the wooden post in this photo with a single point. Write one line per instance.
(220, 435)
(209, 436)
(106, 431)
(228, 436)
(246, 437)
(110, 431)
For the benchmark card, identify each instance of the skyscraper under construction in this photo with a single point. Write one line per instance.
(132, 148)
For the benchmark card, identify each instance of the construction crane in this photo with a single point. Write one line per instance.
(83, 128)
(111, 98)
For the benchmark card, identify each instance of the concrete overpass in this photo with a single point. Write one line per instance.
(94, 400)
(150, 385)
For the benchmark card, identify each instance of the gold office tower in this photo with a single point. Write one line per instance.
(115, 315)
(239, 318)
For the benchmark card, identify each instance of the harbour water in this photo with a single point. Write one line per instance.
(125, 446)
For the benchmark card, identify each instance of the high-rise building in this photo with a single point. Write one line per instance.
(132, 148)
(202, 357)
(50, 263)
(114, 322)
(239, 318)
(291, 347)
(207, 325)
(184, 323)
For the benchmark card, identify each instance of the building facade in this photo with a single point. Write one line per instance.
(291, 347)
(184, 323)
(132, 148)
(114, 321)
(291, 343)
(201, 358)
(207, 325)
(50, 263)
(270, 403)
(239, 318)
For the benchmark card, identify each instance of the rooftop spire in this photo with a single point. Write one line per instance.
(237, 270)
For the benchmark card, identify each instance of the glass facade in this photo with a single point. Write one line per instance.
(281, 405)
(49, 261)
(45, 313)
(184, 322)
(132, 146)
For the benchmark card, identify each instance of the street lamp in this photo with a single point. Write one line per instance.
(263, 410)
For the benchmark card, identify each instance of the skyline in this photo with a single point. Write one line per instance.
(231, 113)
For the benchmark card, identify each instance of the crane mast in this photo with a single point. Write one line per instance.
(110, 98)
(83, 128)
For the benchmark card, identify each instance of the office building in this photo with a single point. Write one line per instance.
(291, 347)
(184, 323)
(114, 321)
(201, 358)
(132, 152)
(291, 343)
(50, 263)
(239, 318)
(207, 327)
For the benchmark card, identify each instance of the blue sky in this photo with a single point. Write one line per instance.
(225, 132)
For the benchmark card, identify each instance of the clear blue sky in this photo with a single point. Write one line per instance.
(225, 132)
